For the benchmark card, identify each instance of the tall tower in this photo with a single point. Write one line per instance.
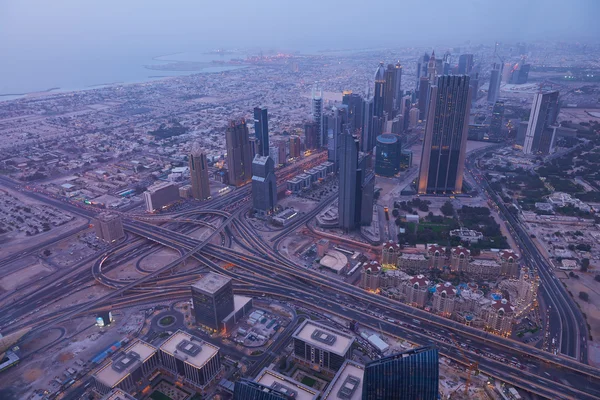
(445, 144)
(379, 95)
(317, 114)
(354, 102)
(539, 137)
(494, 89)
(398, 95)
(261, 130)
(431, 69)
(390, 88)
(423, 97)
(465, 64)
(367, 140)
(347, 202)
(199, 175)
(413, 374)
(311, 135)
(264, 185)
(497, 117)
(239, 161)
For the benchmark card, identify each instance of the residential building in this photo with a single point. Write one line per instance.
(443, 298)
(311, 135)
(413, 263)
(317, 115)
(459, 258)
(509, 265)
(389, 254)
(445, 143)
(295, 146)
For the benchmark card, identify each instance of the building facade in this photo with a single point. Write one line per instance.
(264, 185)
(160, 195)
(387, 155)
(109, 227)
(199, 176)
(212, 298)
(445, 144)
(539, 138)
(239, 153)
(261, 130)
(321, 347)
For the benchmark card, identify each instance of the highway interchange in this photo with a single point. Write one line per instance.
(261, 269)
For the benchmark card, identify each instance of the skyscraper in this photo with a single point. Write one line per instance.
(246, 389)
(544, 111)
(465, 64)
(355, 204)
(379, 95)
(390, 90)
(398, 90)
(317, 114)
(311, 135)
(474, 82)
(261, 130)
(294, 146)
(432, 69)
(444, 147)
(387, 155)
(199, 175)
(494, 88)
(109, 227)
(497, 117)
(239, 162)
(413, 374)
(212, 297)
(423, 97)
(337, 122)
(264, 185)
(367, 140)
(422, 69)
(354, 102)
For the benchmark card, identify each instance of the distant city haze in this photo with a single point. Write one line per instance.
(74, 44)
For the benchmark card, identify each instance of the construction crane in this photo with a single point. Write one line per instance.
(473, 366)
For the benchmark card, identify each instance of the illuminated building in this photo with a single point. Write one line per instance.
(387, 155)
(109, 227)
(239, 161)
(160, 195)
(264, 185)
(443, 298)
(295, 146)
(445, 143)
(212, 298)
(311, 135)
(390, 90)
(199, 176)
(389, 254)
(317, 114)
(509, 265)
(246, 389)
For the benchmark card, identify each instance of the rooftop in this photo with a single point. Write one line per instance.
(324, 337)
(190, 349)
(286, 385)
(211, 283)
(347, 383)
(117, 394)
(334, 260)
(122, 365)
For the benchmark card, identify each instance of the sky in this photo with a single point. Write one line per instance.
(65, 26)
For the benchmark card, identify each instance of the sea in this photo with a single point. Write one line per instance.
(24, 74)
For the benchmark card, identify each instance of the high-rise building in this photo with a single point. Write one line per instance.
(254, 144)
(387, 155)
(109, 227)
(159, 195)
(494, 88)
(390, 90)
(497, 117)
(239, 163)
(465, 64)
(398, 95)
(337, 122)
(317, 114)
(264, 185)
(347, 383)
(413, 116)
(446, 63)
(295, 146)
(423, 97)
(261, 130)
(445, 143)
(212, 298)
(355, 204)
(354, 102)
(520, 73)
(413, 374)
(474, 82)
(367, 140)
(379, 94)
(422, 69)
(199, 176)
(521, 133)
(246, 389)
(432, 69)
(311, 135)
(539, 138)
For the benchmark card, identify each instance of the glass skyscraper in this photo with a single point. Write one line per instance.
(411, 375)
(261, 130)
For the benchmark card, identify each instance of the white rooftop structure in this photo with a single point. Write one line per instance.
(347, 383)
(116, 370)
(286, 385)
(190, 349)
(117, 394)
(334, 260)
(324, 337)
(211, 282)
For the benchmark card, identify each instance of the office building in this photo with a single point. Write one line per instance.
(413, 374)
(191, 358)
(497, 118)
(445, 143)
(286, 385)
(494, 88)
(465, 64)
(109, 227)
(261, 130)
(199, 176)
(246, 389)
(367, 141)
(337, 122)
(398, 81)
(405, 159)
(317, 115)
(253, 146)
(347, 383)
(354, 102)
(160, 195)
(474, 82)
(431, 69)
(117, 394)
(212, 298)
(311, 135)
(406, 105)
(264, 185)
(413, 117)
(128, 367)
(321, 347)
(421, 69)
(423, 97)
(295, 146)
(520, 73)
(379, 94)
(390, 90)
(446, 63)
(357, 184)
(521, 133)
(239, 163)
(539, 138)
(387, 155)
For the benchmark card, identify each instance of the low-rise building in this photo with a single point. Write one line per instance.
(437, 256)
(413, 263)
(483, 269)
(415, 290)
(509, 265)
(389, 254)
(286, 385)
(347, 383)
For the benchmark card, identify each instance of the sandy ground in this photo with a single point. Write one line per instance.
(158, 259)
(22, 276)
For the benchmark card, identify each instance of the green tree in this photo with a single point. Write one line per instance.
(585, 264)
(447, 209)
(584, 296)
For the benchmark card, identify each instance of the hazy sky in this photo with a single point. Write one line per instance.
(68, 25)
